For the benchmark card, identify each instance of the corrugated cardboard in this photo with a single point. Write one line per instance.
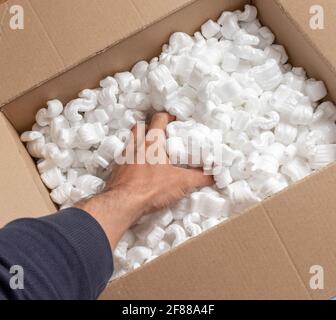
(304, 218)
(22, 191)
(47, 46)
(267, 252)
(139, 45)
(313, 49)
(241, 259)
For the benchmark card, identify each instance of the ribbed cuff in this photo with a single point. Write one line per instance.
(90, 242)
(67, 254)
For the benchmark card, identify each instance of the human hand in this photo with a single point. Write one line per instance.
(140, 188)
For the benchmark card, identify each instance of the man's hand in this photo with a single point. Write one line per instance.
(137, 189)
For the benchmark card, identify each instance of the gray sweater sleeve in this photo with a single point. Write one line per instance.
(62, 256)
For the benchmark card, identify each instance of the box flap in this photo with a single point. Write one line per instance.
(312, 49)
(304, 216)
(27, 56)
(46, 47)
(322, 40)
(144, 44)
(269, 250)
(245, 250)
(22, 193)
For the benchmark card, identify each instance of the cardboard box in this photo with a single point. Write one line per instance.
(65, 46)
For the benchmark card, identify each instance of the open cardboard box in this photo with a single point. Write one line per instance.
(65, 46)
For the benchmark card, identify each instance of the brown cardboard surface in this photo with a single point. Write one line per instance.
(22, 193)
(321, 39)
(239, 259)
(289, 20)
(265, 253)
(304, 216)
(26, 55)
(143, 45)
(45, 47)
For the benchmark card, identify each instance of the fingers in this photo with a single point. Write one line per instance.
(157, 129)
(142, 138)
(195, 178)
(160, 120)
(139, 133)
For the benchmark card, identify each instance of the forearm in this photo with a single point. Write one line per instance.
(64, 256)
(116, 210)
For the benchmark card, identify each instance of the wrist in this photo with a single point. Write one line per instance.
(116, 210)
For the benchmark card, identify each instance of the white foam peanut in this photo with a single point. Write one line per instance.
(316, 90)
(210, 29)
(138, 255)
(209, 205)
(53, 178)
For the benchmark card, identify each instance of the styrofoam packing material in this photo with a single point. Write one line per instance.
(229, 86)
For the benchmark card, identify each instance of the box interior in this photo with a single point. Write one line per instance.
(268, 250)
